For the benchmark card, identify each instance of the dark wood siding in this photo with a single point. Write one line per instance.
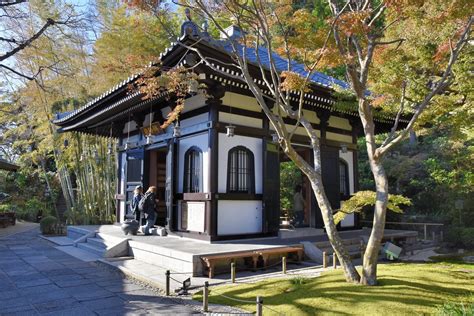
(271, 187)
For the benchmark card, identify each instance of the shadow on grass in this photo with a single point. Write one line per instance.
(402, 289)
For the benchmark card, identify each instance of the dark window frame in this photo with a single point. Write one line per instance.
(240, 171)
(344, 179)
(190, 173)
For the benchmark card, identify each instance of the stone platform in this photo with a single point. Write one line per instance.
(182, 255)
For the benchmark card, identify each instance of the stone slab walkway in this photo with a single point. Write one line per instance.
(20, 226)
(38, 279)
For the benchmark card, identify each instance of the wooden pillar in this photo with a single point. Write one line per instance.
(323, 116)
(214, 102)
(271, 179)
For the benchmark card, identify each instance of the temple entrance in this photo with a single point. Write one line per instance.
(157, 177)
(297, 206)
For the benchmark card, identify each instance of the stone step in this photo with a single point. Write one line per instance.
(91, 248)
(109, 239)
(80, 254)
(97, 242)
(76, 232)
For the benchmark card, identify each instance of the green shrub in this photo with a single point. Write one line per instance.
(456, 309)
(4, 208)
(48, 224)
(468, 237)
(461, 236)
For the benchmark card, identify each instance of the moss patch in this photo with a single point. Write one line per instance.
(412, 289)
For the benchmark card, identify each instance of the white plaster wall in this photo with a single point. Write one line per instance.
(227, 143)
(194, 102)
(239, 217)
(132, 125)
(201, 141)
(340, 122)
(241, 101)
(339, 137)
(194, 120)
(240, 120)
(348, 157)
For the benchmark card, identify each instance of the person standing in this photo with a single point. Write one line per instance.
(299, 204)
(137, 196)
(149, 208)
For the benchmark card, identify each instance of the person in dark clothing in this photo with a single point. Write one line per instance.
(149, 208)
(137, 196)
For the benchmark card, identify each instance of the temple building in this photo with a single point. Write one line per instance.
(216, 182)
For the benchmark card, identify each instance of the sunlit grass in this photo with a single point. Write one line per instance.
(404, 289)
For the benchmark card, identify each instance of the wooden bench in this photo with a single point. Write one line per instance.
(210, 261)
(266, 253)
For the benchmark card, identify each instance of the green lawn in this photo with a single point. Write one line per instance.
(405, 289)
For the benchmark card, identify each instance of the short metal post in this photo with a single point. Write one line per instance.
(259, 306)
(232, 271)
(426, 232)
(283, 265)
(334, 260)
(168, 273)
(205, 297)
(325, 258)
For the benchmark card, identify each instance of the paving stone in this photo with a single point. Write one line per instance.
(65, 283)
(56, 305)
(27, 276)
(40, 258)
(6, 286)
(88, 292)
(123, 288)
(48, 266)
(59, 273)
(39, 289)
(75, 311)
(10, 303)
(47, 296)
(4, 295)
(32, 283)
(142, 294)
(113, 282)
(60, 277)
(18, 310)
(104, 303)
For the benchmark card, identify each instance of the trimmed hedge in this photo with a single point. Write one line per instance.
(461, 236)
(47, 225)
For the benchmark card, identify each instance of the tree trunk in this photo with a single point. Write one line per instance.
(350, 272)
(369, 272)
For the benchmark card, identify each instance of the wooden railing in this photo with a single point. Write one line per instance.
(424, 225)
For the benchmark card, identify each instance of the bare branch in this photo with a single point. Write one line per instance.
(399, 41)
(397, 118)
(23, 45)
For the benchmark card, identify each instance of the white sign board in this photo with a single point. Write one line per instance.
(196, 216)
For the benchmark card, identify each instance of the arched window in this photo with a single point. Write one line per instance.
(192, 170)
(240, 171)
(343, 178)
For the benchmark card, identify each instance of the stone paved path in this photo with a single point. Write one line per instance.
(37, 279)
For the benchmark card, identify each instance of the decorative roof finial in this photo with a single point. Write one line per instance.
(188, 13)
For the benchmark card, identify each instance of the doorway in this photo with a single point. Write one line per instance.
(291, 179)
(157, 177)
